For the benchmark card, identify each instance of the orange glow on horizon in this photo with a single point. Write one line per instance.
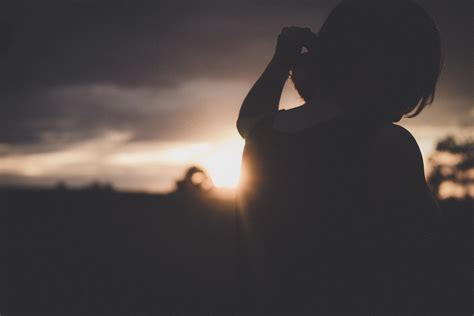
(155, 166)
(223, 163)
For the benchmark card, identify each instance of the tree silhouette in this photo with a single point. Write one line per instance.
(195, 182)
(453, 161)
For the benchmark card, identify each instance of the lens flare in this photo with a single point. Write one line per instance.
(223, 163)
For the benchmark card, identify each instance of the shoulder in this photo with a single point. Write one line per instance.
(396, 132)
(397, 176)
(398, 142)
(397, 152)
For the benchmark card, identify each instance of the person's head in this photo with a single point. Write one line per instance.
(374, 58)
(304, 75)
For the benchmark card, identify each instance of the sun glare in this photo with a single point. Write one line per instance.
(223, 163)
(113, 153)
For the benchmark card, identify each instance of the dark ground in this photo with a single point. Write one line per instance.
(100, 250)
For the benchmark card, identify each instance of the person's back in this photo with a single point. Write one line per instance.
(317, 215)
(336, 214)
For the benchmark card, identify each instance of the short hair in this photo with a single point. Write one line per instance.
(379, 57)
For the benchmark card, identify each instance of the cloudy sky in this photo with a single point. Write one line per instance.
(133, 92)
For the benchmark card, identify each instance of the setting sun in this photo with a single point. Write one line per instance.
(223, 163)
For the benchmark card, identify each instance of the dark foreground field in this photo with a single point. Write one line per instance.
(100, 250)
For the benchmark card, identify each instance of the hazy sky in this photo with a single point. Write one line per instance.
(134, 91)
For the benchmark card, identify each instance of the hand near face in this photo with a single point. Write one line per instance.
(290, 43)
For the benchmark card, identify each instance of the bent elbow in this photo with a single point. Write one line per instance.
(240, 125)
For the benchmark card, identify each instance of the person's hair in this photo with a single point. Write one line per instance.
(375, 58)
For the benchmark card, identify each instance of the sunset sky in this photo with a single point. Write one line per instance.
(133, 92)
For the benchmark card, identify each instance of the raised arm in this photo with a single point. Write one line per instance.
(264, 97)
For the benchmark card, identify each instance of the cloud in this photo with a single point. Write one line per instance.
(72, 69)
(107, 158)
(73, 72)
(144, 165)
(191, 111)
(137, 43)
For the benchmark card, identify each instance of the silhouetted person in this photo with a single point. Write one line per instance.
(336, 213)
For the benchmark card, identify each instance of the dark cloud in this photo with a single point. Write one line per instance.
(71, 70)
(139, 42)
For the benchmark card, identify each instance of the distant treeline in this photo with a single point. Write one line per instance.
(100, 250)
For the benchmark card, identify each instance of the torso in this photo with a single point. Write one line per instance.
(308, 201)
